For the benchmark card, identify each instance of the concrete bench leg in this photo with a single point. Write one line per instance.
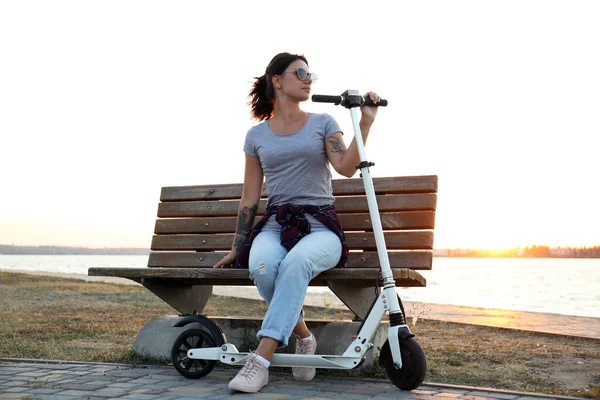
(356, 297)
(186, 299)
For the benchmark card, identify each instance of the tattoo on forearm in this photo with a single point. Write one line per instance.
(244, 225)
(337, 146)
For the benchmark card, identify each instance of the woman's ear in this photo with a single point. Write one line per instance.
(276, 81)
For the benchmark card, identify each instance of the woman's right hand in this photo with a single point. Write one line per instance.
(228, 261)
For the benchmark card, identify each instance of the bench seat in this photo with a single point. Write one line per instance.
(196, 226)
(239, 277)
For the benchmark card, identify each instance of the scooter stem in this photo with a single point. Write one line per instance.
(386, 271)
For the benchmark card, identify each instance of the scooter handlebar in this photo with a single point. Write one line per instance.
(381, 103)
(321, 98)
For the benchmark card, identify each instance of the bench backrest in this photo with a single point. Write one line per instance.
(196, 224)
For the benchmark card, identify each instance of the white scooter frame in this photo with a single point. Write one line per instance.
(386, 301)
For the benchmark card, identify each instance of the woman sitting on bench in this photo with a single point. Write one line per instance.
(300, 235)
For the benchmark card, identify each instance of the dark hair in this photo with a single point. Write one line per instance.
(262, 95)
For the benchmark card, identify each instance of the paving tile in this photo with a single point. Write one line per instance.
(12, 383)
(143, 380)
(24, 368)
(194, 389)
(154, 391)
(366, 391)
(165, 377)
(125, 385)
(130, 373)
(53, 366)
(527, 397)
(317, 398)
(83, 387)
(62, 380)
(194, 396)
(424, 392)
(334, 388)
(487, 394)
(103, 395)
(6, 371)
(15, 389)
(99, 380)
(219, 396)
(32, 373)
(108, 393)
(80, 393)
(44, 391)
(140, 396)
(54, 375)
(163, 385)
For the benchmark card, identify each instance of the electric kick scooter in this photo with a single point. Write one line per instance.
(196, 351)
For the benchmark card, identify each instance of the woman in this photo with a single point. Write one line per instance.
(300, 236)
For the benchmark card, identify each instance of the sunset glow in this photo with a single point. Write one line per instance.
(500, 100)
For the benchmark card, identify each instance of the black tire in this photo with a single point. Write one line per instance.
(414, 364)
(192, 339)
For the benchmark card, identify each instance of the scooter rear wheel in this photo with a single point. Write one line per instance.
(414, 364)
(192, 339)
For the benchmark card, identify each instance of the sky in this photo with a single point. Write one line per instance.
(102, 103)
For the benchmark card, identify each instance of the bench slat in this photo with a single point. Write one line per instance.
(350, 222)
(416, 260)
(211, 276)
(355, 240)
(385, 185)
(355, 204)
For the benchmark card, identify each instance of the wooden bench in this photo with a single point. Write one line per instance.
(196, 224)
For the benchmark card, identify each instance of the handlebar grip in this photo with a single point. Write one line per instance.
(369, 102)
(344, 100)
(321, 98)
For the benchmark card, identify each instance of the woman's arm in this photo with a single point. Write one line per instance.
(253, 181)
(344, 160)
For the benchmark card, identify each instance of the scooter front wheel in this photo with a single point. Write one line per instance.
(192, 339)
(414, 364)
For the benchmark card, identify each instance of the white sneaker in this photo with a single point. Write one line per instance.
(251, 378)
(305, 374)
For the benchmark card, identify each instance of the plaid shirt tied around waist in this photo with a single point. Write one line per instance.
(294, 226)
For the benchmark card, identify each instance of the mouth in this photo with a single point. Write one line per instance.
(306, 89)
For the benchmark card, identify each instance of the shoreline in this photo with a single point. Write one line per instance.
(558, 324)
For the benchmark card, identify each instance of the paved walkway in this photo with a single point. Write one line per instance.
(31, 379)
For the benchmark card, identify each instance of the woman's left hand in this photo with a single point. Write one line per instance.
(369, 112)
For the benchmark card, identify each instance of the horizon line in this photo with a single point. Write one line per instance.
(434, 248)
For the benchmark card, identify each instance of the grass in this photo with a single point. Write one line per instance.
(62, 319)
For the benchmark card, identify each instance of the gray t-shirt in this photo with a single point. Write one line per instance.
(295, 166)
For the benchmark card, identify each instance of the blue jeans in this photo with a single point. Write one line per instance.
(282, 277)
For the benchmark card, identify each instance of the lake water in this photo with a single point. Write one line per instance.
(560, 286)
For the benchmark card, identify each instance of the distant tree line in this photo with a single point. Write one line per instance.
(530, 251)
(60, 250)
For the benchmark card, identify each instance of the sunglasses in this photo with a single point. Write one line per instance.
(303, 74)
